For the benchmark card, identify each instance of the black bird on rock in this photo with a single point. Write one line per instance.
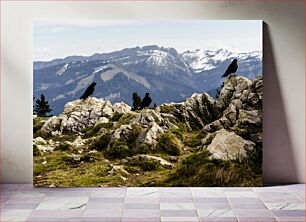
(89, 91)
(232, 68)
(146, 101)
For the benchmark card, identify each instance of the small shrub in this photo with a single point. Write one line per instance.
(118, 149)
(200, 170)
(36, 151)
(165, 109)
(193, 140)
(38, 122)
(180, 131)
(136, 130)
(169, 144)
(63, 146)
(145, 164)
(125, 119)
(132, 169)
(65, 137)
(141, 149)
(116, 116)
(101, 142)
(93, 131)
(108, 125)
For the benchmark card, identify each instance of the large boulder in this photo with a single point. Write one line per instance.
(150, 135)
(121, 108)
(241, 103)
(229, 146)
(80, 114)
(234, 88)
(148, 116)
(196, 111)
(122, 133)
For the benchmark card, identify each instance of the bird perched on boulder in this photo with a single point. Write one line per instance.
(146, 101)
(89, 91)
(232, 68)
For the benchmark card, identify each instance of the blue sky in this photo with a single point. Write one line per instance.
(58, 39)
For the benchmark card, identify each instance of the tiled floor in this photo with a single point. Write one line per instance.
(22, 202)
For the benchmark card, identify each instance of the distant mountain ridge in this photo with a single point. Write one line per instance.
(169, 76)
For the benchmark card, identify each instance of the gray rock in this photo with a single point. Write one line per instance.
(197, 111)
(229, 146)
(121, 107)
(78, 142)
(158, 160)
(80, 114)
(252, 117)
(74, 157)
(151, 134)
(39, 141)
(118, 169)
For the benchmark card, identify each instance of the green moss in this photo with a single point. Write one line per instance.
(124, 119)
(116, 116)
(166, 109)
(36, 151)
(63, 146)
(136, 130)
(142, 149)
(38, 122)
(145, 164)
(199, 170)
(65, 137)
(169, 144)
(54, 162)
(94, 131)
(179, 132)
(119, 149)
(100, 143)
(193, 140)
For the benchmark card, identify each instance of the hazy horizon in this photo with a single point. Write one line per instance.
(55, 39)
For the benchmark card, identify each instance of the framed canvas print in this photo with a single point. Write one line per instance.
(147, 103)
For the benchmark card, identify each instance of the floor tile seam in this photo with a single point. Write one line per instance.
(159, 203)
(123, 207)
(267, 208)
(231, 207)
(298, 197)
(91, 192)
(195, 205)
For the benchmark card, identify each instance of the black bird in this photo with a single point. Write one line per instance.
(232, 68)
(89, 91)
(146, 101)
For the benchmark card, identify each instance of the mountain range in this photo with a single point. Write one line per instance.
(169, 76)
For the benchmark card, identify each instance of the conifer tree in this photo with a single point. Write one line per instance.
(136, 101)
(42, 107)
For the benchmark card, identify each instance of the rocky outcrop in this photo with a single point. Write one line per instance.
(121, 108)
(231, 126)
(80, 114)
(229, 146)
(147, 116)
(150, 135)
(241, 102)
(196, 111)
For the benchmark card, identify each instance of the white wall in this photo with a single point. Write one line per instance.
(284, 63)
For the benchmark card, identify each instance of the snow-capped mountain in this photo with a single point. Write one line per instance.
(203, 60)
(167, 75)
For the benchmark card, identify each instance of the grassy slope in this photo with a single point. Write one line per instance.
(193, 168)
